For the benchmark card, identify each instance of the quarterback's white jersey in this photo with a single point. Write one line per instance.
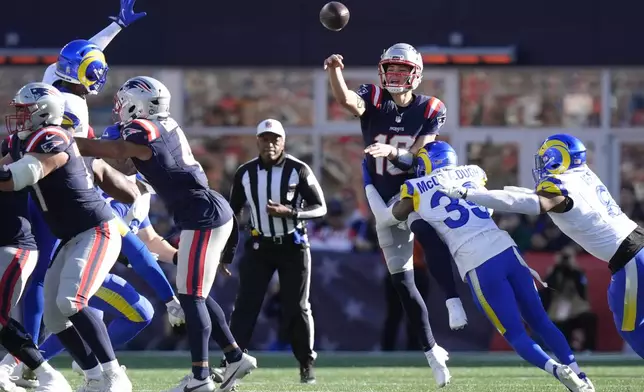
(595, 221)
(466, 228)
(76, 112)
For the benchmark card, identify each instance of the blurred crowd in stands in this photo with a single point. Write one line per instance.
(489, 98)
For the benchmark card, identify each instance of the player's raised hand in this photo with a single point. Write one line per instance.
(381, 150)
(334, 61)
(126, 15)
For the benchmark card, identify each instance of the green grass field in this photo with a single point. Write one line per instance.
(154, 372)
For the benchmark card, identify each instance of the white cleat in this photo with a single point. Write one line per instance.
(457, 316)
(437, 358)
(116, 381)
(6, 385)
(13, 370)
(53, 381)
(570, 380)
(92, 385)
(25, 377)
(589, 384)
(217, 374)
(188, 383)
(236, 371)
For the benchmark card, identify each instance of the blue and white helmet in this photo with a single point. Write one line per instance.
(82, 62)
(433, 156)
(557, 154)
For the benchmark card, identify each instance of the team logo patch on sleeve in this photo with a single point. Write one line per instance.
(127, 132)
(50, 145)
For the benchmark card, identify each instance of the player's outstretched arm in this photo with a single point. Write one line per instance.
(536, 203)
(349, 99)
(126, 17)
(156, 244)
(30, 169)
(115, 149)
(114, 183)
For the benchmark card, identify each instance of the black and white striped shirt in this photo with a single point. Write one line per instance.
(289, 182)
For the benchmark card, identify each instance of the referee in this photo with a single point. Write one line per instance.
(283, 193)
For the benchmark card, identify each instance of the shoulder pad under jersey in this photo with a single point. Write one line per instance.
(50, 140)
(76, 116)
(552, 185)
(408, 191)
(140, 131)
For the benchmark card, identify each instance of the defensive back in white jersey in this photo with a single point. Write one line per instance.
(595, 221)
(76, 111)
(466, 228)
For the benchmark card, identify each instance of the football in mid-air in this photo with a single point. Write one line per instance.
(334, 16)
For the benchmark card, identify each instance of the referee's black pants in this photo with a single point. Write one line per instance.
(261, 258)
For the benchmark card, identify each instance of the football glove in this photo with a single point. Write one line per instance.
(455, 192)
(126, 15)
(176, 316)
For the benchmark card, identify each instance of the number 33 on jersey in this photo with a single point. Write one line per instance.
(456, 220)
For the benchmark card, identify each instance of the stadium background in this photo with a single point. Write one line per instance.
(230, 66)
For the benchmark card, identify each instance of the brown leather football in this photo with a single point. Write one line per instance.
(334, 16)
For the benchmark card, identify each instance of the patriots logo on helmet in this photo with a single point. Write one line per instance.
(138, 83)
(39, 92)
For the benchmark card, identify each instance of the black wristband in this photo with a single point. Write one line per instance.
(175, 258)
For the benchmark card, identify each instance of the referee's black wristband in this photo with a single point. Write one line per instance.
(175, 258)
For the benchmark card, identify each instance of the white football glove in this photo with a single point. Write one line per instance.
(455, 192)
(176, 316)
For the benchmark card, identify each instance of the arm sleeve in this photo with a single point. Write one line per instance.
(312, 194)
(105, 36)
(237, 193)
(436, 114)
(506, 201)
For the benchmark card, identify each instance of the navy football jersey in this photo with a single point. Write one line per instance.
(385, 122)
(15, 229)
(67, 198)
(176, 176)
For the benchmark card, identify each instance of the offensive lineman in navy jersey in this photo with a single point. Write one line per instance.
(18, 257)
(396, 124)
(161, 153)
(45, 158)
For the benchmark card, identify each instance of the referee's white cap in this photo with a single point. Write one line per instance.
(271, 126)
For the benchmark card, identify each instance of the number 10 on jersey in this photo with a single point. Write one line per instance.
(398, 141)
